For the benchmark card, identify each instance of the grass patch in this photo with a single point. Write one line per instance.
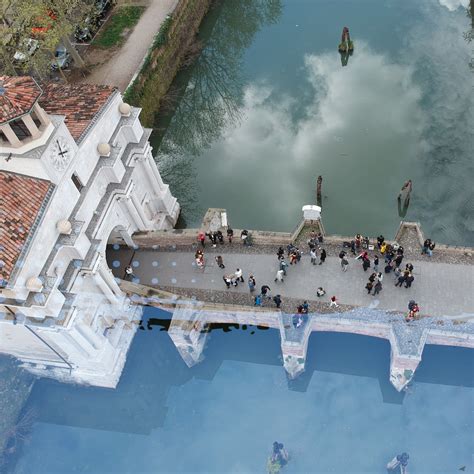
(122, 18)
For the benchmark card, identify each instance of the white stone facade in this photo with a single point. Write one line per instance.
(62, 312)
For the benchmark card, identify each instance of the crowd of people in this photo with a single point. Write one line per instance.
(386, 256)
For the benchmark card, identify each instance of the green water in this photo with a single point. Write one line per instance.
(268, 106)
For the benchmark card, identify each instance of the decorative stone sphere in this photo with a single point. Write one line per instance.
(34, 284)
(103, 149)
(125, 109)
(64, 226)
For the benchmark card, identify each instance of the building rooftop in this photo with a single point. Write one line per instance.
(22, 202)
(79, 103)
(17, 96)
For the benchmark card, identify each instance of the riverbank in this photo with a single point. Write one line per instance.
(123, 63)
(165, 56)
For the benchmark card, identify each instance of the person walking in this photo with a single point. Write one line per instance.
(230, 234)
(322, 257)
(401, 279)
(376, 263)
(313, 255)
(369, 287)
(265, 291)
(279, 276)
(398, 260)
(343, 260)
(238, 275)
(365, 263)
(227, 280)
(333, 302)
(409, 280)
(129, 272)
(277, 301)
(251, 283)
(220, 261)
(283, 266)
(202, 238)
(257, 300)
(280, 253)
(377, 287)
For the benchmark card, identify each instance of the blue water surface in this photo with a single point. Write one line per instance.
(340, 416)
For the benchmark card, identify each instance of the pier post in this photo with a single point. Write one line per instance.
(407, 344)
(319, 183)
(187, 333)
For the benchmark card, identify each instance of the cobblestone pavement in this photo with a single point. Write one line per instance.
(123, 64)
(441, 289)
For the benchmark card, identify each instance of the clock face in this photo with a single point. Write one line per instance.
(60, 154)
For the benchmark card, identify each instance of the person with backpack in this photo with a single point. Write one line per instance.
(283, 266)
(220, 261)
(251, 283)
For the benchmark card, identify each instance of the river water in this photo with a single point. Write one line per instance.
(222, 415)
(268, 106)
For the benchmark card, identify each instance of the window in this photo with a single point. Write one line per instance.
(20, 129)
(77, 182)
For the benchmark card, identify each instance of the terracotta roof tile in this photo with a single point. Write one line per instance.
(80, 103)
(21, 198)
(17, 96)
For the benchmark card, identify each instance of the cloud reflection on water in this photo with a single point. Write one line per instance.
(363, 116)
(453, 5)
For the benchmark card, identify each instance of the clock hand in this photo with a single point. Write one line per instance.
(61, 152)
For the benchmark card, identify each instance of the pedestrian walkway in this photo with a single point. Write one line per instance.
(123, 64)
(441, 289)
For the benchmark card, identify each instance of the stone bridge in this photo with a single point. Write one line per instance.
(166, 276)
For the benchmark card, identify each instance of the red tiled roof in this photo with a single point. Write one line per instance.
(78, 102)
(17, 96)
(21, 198)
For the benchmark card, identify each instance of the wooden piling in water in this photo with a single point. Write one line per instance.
(319, 183)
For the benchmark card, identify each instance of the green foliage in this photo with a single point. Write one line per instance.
(50, 22)
(132, 94)
(112, 34)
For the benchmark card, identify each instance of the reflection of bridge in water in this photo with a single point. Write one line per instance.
(165, 277)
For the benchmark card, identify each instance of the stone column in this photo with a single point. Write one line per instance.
(135, 202)
(31, 126)
(187, 333)
(132, 212)
(127, 238)
(10, 134)
(109, 278)
(108, 293)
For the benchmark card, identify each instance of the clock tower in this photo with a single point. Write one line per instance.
(24, 125)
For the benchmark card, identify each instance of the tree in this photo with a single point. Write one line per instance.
(49, 22)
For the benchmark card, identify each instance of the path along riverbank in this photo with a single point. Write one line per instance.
(121, 67)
